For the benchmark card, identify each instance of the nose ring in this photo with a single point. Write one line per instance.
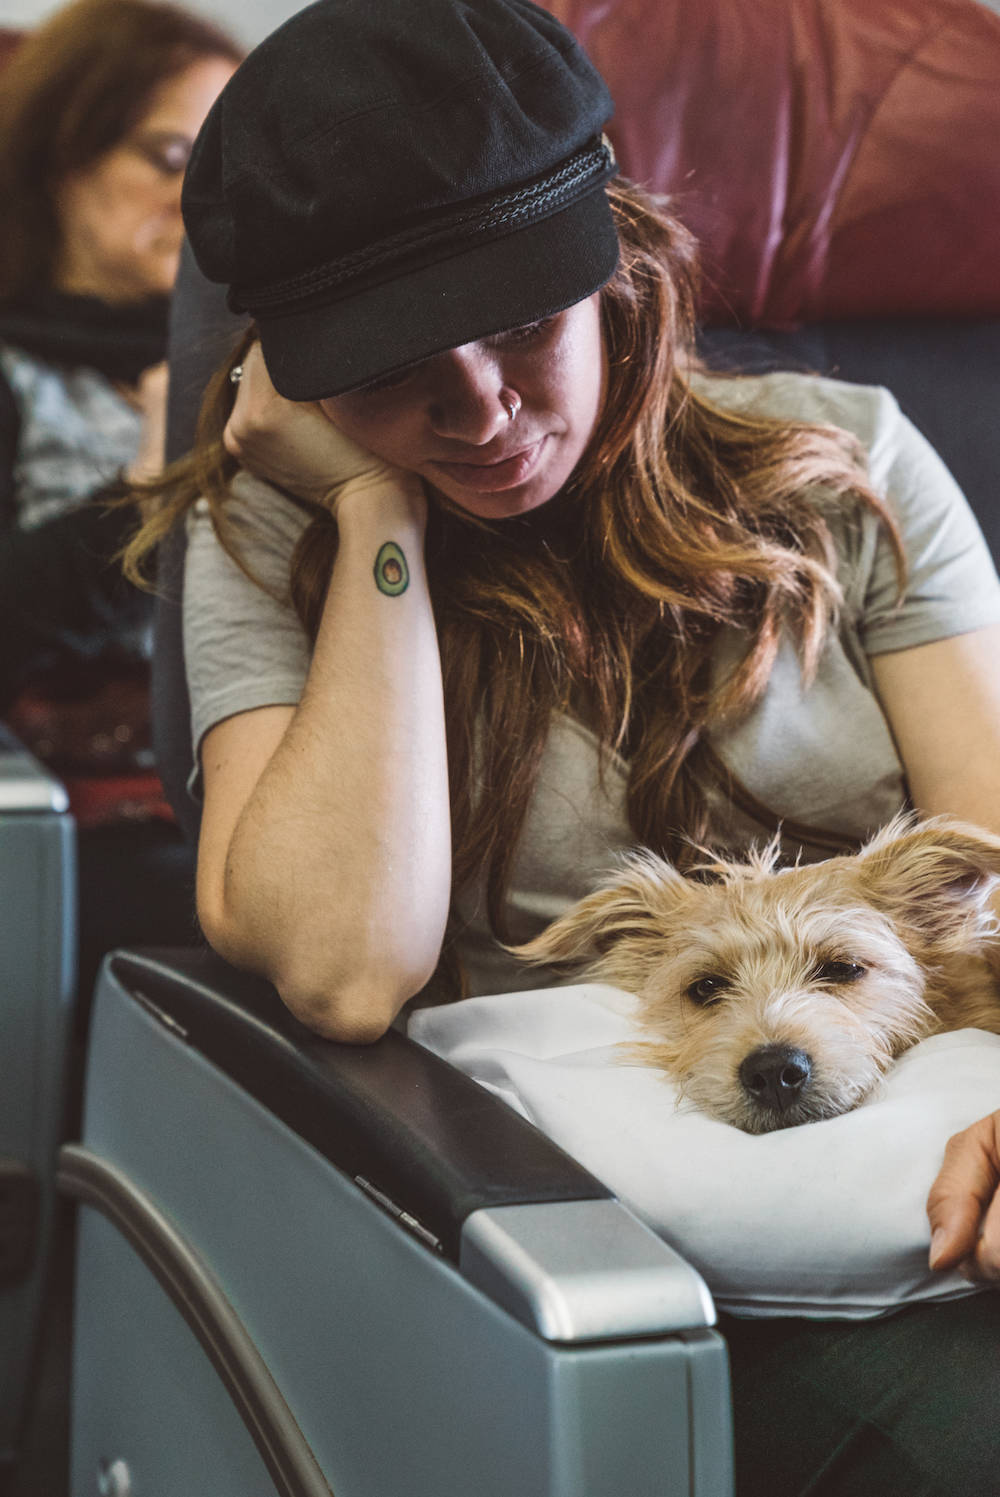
(511, 402)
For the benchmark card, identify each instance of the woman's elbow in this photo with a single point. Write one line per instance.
(353, 1010)
(351, 997)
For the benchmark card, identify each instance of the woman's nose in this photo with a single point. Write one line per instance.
(465, 402)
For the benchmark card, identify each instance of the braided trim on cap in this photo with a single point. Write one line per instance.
(581, 171)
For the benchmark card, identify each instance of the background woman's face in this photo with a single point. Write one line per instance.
(444, 418)
(121, 216)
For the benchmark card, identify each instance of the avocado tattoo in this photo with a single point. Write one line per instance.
(392, 576)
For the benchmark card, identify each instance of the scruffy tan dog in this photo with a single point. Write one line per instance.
(776, 996)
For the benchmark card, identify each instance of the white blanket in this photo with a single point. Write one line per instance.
(824, 1220)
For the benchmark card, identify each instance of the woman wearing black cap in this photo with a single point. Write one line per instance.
(505, 584)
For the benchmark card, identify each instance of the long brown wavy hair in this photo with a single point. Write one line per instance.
(681, 520)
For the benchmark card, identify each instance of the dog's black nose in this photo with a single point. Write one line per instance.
(774, 1075)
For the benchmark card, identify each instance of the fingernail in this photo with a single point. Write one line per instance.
(938, 1240)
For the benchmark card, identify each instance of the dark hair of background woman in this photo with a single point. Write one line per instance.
(73, 90)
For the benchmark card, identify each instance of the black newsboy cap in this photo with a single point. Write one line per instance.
(383, 179)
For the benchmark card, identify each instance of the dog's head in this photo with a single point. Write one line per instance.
(776, 996)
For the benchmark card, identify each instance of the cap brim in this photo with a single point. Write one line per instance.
(316, 351)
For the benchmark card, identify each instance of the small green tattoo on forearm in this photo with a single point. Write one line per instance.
(392, 576)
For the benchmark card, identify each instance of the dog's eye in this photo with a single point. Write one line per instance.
(838, 972)
(707, 990)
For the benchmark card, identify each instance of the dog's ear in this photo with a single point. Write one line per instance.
(630, 906)
(935, 876)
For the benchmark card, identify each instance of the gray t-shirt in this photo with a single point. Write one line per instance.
(820, 758)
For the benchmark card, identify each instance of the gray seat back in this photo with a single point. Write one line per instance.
(202, 333)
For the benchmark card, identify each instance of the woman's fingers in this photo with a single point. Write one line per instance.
(964, 1204)
(984, 1264)
(291, 443)
(258, 415)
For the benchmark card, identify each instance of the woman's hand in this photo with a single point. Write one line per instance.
(964, 1204)
(150, 399)
(294, 444)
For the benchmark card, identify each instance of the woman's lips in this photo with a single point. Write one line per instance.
(493, 478)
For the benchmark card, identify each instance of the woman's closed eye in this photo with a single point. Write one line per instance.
(524, 334)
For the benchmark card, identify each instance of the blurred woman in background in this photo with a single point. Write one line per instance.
(98, 111)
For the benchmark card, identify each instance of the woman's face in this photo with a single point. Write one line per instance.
(447, 417)
(121, 216)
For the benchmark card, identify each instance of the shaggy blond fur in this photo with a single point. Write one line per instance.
(777, 996)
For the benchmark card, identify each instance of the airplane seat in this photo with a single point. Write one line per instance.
(62, 769)
(37, 973)
(307, 1267)
(37, 977)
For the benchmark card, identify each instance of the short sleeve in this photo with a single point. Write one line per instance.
(244, 646)
(821, 753)
(951, 585)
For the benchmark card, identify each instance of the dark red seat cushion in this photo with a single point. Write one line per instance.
(837, 158)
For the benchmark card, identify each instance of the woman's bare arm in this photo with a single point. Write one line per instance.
(942, 702)
(325, 852)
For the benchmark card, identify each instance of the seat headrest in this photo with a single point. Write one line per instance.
(835, 158)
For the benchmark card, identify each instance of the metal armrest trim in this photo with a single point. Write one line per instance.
(583, 1271)
(26, 785)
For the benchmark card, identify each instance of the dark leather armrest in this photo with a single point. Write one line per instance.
(432, 1141)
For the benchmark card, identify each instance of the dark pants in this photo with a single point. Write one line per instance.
(905, 1406)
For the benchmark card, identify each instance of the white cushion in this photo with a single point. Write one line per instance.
(824, 1220)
